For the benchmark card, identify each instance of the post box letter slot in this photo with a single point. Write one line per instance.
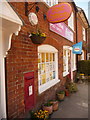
(29, 77)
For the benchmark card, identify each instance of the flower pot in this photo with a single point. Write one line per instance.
(66, 92)
(48, 108)
(37, 39)
(60, 96)
(55, 105)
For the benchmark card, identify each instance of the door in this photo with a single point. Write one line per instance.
(29, 90)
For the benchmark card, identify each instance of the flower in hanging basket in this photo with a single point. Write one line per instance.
(37, 38)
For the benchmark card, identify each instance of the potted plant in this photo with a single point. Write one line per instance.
(38, 37)
(39, 115)
(72, 87)
(48, 107)
(61, 95)
(55, 104)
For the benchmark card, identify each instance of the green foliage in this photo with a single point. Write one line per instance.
(48, 104)
(72, 87)
(84, 67)
(61, 92)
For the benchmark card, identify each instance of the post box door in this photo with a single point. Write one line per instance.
(29, 90)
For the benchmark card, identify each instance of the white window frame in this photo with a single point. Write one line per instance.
(74, 62)
(51, 2)
(47, 85)
(71, 21)
(83, 33)
(82, 55)
(67, 67)
(88, 56)
(66, 72)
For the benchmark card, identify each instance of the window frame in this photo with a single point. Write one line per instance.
(82, 55)
(83, 33)
(53, 2)
(74, 62)
(50, 83)
(71, 22)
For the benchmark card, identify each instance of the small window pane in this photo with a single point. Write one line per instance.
(53, 57)
(43, 78)
(51, 76)
(43, 68)
(43, 57)
(39, 57)
(47, 57)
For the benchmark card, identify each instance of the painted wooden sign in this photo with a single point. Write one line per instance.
(59, 13)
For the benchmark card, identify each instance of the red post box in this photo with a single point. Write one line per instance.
(29, 90)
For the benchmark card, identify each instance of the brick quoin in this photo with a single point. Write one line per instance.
(23, 57)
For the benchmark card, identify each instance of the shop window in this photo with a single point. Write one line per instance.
(51, 2)
(83, 33)
(66, 60)
(71, 21)
(47, 67)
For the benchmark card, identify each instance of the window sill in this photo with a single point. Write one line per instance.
(49, 84)
(65, 74)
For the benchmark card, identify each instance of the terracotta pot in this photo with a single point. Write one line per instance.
(55, 105)
(48, 108)
(37, 39)
(61, 96)
(66, 92)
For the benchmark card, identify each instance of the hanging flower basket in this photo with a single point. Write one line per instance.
(37, 38)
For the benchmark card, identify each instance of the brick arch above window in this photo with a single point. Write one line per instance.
(47, 48)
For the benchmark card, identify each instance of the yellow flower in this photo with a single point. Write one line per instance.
(81, 74)
(43, 35)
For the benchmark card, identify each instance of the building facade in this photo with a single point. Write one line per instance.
(35, 72)
(88, 53)
(82, 32)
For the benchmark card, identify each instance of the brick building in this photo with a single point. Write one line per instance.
(88, 54)
(34, 73)
(82, 32)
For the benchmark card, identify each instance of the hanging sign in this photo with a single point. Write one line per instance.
(33, 18)
(59, 13)
(77, 48)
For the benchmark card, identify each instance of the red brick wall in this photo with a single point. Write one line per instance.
(23, 57)
(80, 24)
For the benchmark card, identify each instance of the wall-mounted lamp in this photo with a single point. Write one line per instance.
(44, 16)
(32, 5)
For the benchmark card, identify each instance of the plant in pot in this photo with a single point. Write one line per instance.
(38, 37)
(61, 95)
(48, 107)
(72, 87)
(55, 104)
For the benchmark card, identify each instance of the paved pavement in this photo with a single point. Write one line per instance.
(74, 106)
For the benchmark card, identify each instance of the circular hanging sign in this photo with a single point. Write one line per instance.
(59, 13)
(33, 18)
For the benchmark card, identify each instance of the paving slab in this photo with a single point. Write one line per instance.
(74, 106)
